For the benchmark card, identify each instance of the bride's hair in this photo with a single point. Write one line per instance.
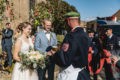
(23, 25)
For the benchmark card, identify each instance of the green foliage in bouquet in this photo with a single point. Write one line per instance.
(32, 60)
(24, 61)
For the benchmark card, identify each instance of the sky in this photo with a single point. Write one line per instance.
(90, 9)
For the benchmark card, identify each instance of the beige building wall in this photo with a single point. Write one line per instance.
(38, 1)
(21, 11)
(83, 24)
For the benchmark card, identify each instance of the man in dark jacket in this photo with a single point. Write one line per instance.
(73, 55)
(112, 43)
(95, 44)
(7, 43)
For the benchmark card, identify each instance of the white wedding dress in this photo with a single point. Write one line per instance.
(17, 74)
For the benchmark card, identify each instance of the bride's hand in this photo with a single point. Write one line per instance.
(17, 59)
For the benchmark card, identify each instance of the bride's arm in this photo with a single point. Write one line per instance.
(16, 50)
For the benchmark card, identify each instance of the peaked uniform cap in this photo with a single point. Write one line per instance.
(108, 29)
(91, 31)
(72, 14)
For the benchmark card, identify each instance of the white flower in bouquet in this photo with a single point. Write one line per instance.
(32, 60)
(35, 55)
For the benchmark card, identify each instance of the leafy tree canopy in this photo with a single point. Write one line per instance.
(55, 10)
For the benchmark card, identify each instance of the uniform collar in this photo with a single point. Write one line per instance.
(74, 28)
(110, 36)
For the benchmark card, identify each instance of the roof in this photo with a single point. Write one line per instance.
(104, 22)
(117, 14)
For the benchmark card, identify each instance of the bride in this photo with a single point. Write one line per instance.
(23, 44)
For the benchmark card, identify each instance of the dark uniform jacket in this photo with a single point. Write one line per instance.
(95, 44)
(74, 50)
(112, 43)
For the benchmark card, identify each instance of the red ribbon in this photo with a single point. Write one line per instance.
(102, 60)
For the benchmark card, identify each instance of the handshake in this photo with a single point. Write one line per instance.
(51, 50)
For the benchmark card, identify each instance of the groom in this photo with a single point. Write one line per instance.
(43, 42)
(73, 55)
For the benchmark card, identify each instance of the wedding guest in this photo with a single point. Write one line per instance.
(95, 45)
(111, 45)
(6, 43)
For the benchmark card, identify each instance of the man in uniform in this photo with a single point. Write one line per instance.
(112, 42)
(73, 55)
(112, 46)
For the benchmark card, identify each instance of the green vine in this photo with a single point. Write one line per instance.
(3, 5)
(41, 11)
(2, 9)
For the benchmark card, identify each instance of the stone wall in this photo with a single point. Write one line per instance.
(21, 11)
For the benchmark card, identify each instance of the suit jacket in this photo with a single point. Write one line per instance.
(74, 50)
(7, 37)
(42, 43)
(118, 64)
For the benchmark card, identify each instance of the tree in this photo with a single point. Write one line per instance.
(55, 10)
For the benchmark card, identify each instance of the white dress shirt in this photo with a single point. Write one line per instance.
(47, 34)
(110, 36)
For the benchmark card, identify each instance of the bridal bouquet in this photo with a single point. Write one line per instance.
(32, 60)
